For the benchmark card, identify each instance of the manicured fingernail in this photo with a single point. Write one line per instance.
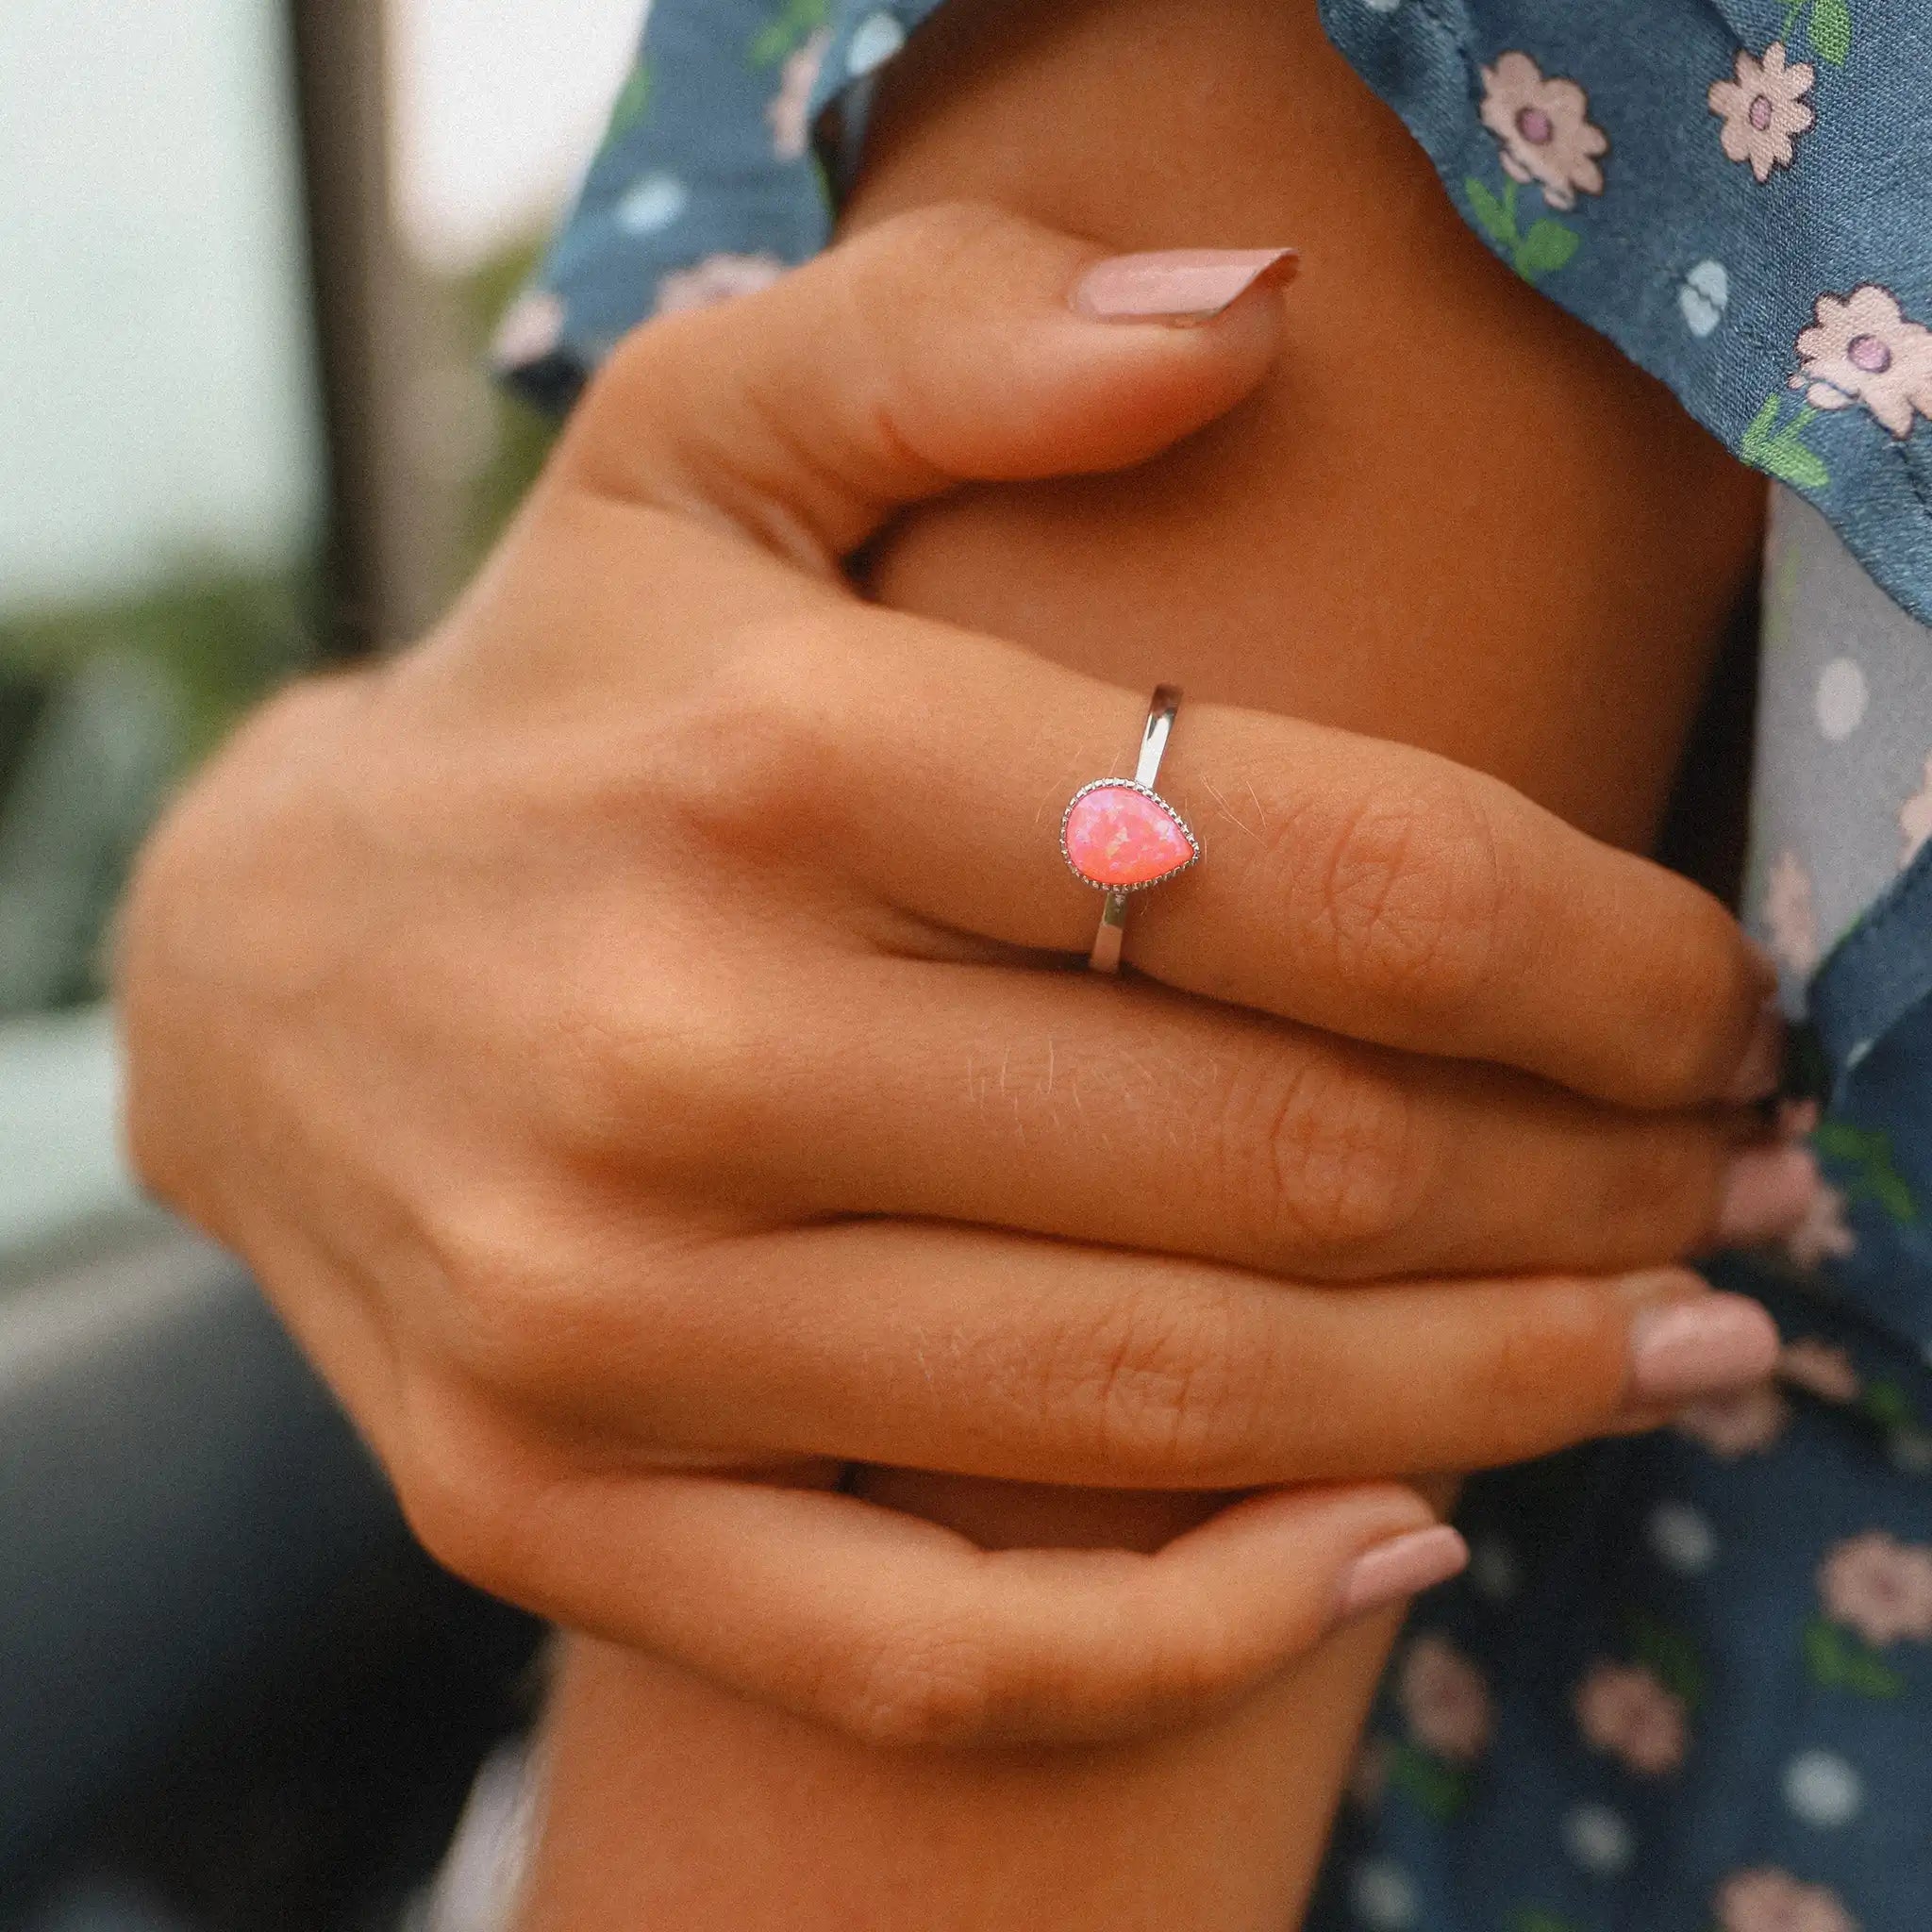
(1767, 1193)
(1763, 1065)
(1179, 284)
(1401, 1568)
(1682, 1351)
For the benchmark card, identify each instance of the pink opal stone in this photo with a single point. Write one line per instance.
(1116, 836)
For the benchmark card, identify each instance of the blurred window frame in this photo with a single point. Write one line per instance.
(388, 562)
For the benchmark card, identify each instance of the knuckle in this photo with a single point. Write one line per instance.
(1706, 1004)
(1194, 1669)
(457, 1501)
(1322, 1153)
(1545, 1380)
(1518, 1370)
(1406, 892)
(923, 1686)
(455, 1523)
(751, 760)
(510, 1321)
(672, 1079)
(1169, 1383)
(1660, 1195)
(541, 1301)
(629, 387)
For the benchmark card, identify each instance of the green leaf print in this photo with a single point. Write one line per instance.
(1839, 1139)
(1784, 454)
(1759, 434)
(1547, 246)
(633, 104)
(1886, 1406)
(1898, 1200)
(1437, 1787)
(1544, 249)
(796, 23)
(1831, 31)
(1830, 27)
(1671, 1656)
(1875, 1176)
(1534, 1918)
(1838, 1662)
(1794, 464)
(1497, 222)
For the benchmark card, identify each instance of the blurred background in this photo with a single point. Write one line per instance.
(251, 255)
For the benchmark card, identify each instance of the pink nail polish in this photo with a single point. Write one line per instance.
(1682, 1351)
(1179, 284)
(1767, 1193)
(1401, 1568)
(1763, 1065)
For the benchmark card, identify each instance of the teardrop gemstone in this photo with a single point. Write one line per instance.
(1116, 836)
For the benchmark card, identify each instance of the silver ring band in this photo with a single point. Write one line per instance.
(1121, 837)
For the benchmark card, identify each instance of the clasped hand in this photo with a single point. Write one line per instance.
(636, 1036)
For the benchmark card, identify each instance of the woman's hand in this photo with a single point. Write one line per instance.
(627, 1036)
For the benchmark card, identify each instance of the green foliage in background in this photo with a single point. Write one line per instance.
(104, 706)
(217, 637)
(523, 435)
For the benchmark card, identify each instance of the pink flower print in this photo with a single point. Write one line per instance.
(1623, 1709)
(1730, 1427)
(717, 278)
(1763, 110)
(1824, 1235)
(1446, 1700)
(1770, 1901)
(532, 328)
(1820, 1369)
(1790, 915)
(786, 113)
(1915, 819)
(1861, 348)
(1543, 129)
(1880, 1588)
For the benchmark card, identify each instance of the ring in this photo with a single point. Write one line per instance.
(1121, 836)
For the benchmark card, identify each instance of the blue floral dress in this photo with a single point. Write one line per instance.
(1686, 1685)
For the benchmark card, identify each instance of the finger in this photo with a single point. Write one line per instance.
(1129, 1115)
(1362, 886)
(1365, 888)
(990, 1353)
(903, 1632)
(949, 343)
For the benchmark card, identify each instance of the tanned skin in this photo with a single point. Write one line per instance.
(1453, 516)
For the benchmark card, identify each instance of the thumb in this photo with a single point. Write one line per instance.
(950, 344)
